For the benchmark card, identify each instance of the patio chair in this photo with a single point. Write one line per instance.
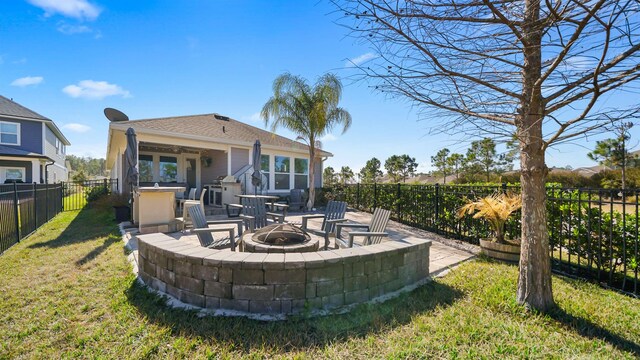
(203, 231)
(181, 201)
(296, 199)
(333, 214)
(199, 202)
(255, 214)
(373, 233)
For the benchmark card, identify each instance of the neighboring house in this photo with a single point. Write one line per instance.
(199, 150)
(32, 148)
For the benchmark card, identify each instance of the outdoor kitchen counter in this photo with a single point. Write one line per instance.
(154, 208)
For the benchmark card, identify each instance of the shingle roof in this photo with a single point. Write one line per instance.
(208, 125)
(12, 108)
(9, 151)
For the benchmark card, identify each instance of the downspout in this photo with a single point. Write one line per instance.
(46, 171)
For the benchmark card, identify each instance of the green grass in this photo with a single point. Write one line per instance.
(68, 291)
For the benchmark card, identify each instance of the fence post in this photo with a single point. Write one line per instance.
(35, 204)
(358, 196)
(398, 202)
(375, 195)
(504, 188)
(46, 199)
(437, 208)
(16, 212)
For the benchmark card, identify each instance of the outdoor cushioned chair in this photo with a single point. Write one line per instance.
(202, 229)
(333, 214)
(373, 233)
(255, 214)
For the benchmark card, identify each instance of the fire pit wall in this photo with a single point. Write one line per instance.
(280, 283)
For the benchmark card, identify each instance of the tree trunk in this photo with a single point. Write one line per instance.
(534, 279)
(312, 178)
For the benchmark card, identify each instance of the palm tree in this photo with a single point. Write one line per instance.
(309, 112)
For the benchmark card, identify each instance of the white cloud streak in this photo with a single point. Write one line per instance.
(254, 118)
(328, 137)
(360, 59)
(78, 9)
(75, 127)
(27, 81)
(73, 29)
(95, 90)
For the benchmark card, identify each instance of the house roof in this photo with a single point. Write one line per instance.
(9, 151)
(216, 128)
(12, 108)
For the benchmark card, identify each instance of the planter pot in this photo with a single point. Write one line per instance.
(503, 252)
(123, 213)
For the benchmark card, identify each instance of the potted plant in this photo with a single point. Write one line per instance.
(496, 210)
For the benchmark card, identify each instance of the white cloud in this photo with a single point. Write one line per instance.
(73, 29)
(89, 89)
(27, 81)
(254, 118)
(75, 127)
(328, 137)
(360, 59)
(78, 9)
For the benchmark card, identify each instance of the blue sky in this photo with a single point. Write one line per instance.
(69, 59)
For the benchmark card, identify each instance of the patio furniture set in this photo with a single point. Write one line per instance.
(256, 215)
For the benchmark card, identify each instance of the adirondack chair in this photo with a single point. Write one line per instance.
(373, 233)
(255, 214)
(296, 199)
(333, 215)
(202, 229)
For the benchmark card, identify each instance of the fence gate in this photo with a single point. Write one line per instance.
(75, 194)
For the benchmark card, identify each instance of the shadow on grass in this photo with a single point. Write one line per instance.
(87, 225)
(590, 330)
(298, 332)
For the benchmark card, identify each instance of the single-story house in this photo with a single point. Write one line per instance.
(32, 147)
(200, 150)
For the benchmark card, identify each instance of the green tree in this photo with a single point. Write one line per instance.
(346, 175)
(79, 177)
(482, 157)
(615, 152)
(328, 176)
(456, 162)
(441, 163)
(400, 167)
(308, 111)
(371, 172)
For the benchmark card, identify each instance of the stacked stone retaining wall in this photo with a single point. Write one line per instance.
(286, 284)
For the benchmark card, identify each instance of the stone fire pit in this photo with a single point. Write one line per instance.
(280, 238)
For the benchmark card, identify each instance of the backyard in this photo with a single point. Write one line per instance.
(68, 291)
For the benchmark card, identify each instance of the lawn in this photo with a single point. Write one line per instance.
(68, 291)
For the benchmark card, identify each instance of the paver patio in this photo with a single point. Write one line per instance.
(442, 254)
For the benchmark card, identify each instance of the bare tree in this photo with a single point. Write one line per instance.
(536, 70)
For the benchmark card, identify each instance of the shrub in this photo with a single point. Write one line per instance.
(97, 192)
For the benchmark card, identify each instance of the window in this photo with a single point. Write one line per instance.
(145, 167)
(11, 173)
(264, 168)
(168, 169)
(301, 173)
(282, 170)
(9, 133)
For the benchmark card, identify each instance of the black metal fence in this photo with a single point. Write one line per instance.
(24, 208)
(593, 232)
